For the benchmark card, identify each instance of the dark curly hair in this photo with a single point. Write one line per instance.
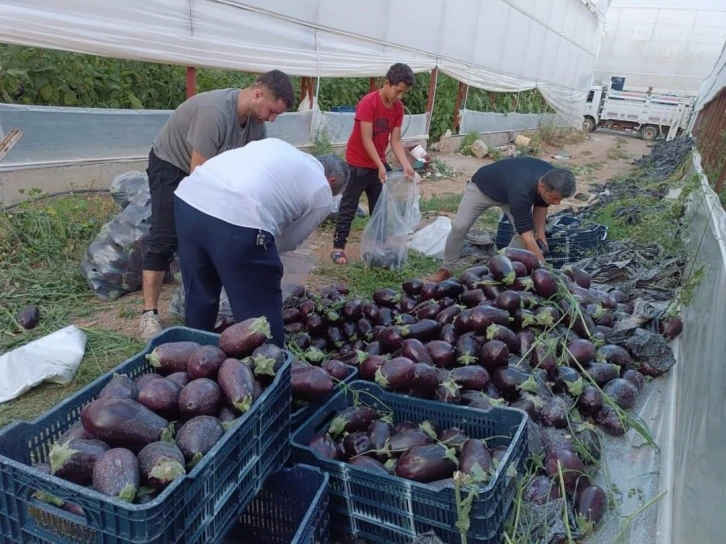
(400, 73)
(279, 84)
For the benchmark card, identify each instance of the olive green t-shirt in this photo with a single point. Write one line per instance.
(207, 123)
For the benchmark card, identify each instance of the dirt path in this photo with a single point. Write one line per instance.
(599, 157)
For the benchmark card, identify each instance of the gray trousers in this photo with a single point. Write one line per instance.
(473, 204)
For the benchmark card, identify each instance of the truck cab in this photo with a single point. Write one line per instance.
(592, 107)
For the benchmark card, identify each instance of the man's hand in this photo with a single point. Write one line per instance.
(382, 174)
(543, 238)
(531, 244)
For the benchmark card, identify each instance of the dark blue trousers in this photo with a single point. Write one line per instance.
(213, 254)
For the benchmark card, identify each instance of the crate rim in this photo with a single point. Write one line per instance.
(91, 493)
(316, 500)
(521, 429)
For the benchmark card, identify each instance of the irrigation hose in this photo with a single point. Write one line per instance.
(53, 195)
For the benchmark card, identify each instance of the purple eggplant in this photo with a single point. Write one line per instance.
(581, 350)
(602, 373)
(394, 373)
(352, 419)
(356, 443)
(386, 297)
(197, 437)
(120, 386)
(391, 338)
(670, 327)
(591, 503)
(422, 380)
(424, 330)
(291, 315)
(323, 445)
(116, 474)
(449, 392)
(540, 490)
(573, 471)
(428, 309)
(471, 377)
(453, 438)
(380, 432)
(244, 337)
(554, 413)
(461, 321)
(545, 284)
(508, 301)
(467, 349)
(617, 355)
(428, 291)
(370, 366)
(237, 383)
(622, 392)
(416, 351)
(503, 334)
(590, 402)
(408, 304)
(449, 334)
(426, 463)
(447, 315)
(74, 460)
(384, 317)
(311, 384)
(449, 288)
(523, 256)
(635, 377)
(160, 463)
(493, 355)
(364, 328)
(508, 380)
(412, 287)
(502, 269)
(442, 354)
(161, 396)
(337, 369)
(475, 460)
(579, 276)
(202, 397)
(368, 463)
(472, 298)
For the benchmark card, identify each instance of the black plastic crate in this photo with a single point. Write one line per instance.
(195, 509)
(291, 508)
(390, 510)
(569, 239)
(301, 414)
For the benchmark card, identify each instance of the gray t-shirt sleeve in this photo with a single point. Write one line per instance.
(207, 130)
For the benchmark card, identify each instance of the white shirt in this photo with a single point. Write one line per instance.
(268, 185)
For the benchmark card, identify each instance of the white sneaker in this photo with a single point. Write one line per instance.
(150, 325)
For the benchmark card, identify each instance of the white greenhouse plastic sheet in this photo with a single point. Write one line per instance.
(713, 83)
(498, 45)
(490, 122)
(53, 358)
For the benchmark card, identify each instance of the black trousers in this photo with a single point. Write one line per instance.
(361, 179)
(161, 243)
(215, 254)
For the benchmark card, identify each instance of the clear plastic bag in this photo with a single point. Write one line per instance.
(112, 264)
(126, 185)
(385, 239)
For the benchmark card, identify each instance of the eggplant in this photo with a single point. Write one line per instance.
(412, 287)
(182, 379)
(380, 431)
(197, 437)
(160, 463)
(335, 336)
(391, 338)
(471, 377)
(520, 271)
(370, 311)
(482, 317)
(567, 380)
(116, 474)
(311, 384)
(428, 291)
(502, 269)
(447, 315)
(301, 341)
(237, 382)
(608, 419)
(426, 463)
(504, 334)
(622, 392)
(635, 377)
(646, 369)
(472, 298)
(545, 284)
(491, 288)
(408, 304)
(74, 460)
(202, 397)
(242, 338)
(448, 334)
(527, 403)
(523, 256)
(404, 426)
(120, 386)
(172, 356)
(368, 463)
(616, 355)
(291, 315)
(76, 431)
(323, 445)
(319, 343)
(28, 317)
(498, 453)
(353, 310)
(475, 460)
(123, 423)
(356, 443)
(364, 328)
(374, 348)
(573, 471)
(461, 321)
(508, 301)
(453, 438)
(227, 414)
(422, 380)
(448, 391)
(338, 370)
(581, 350)
(416, 351)
(540, 490)
(355, 418)
(265, 361)
(590, 402)
(554, 413)
(493, 355)
(293, 328)
(449, 288)
(670, 327)
(589, 440)
(602, 373)
(386, 297)
(307, 308)
(580, 277)
(424, 330)
(441, 354)
(394, 373)
(554, 439)
(591, 503)
(140, 381)
(161, 396)
(525, 342)
(467, 349)
(507, 380)
(369, 367)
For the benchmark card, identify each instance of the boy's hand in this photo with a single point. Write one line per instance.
(382, 173)
(408, 171)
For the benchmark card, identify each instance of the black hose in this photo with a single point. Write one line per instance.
(53, 195)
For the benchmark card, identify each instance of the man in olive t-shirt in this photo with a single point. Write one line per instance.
(204, 126)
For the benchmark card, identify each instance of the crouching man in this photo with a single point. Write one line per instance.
(523, 187)
(236, 213)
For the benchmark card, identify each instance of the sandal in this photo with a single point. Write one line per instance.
(336, 256)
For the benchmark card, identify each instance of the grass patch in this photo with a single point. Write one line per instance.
(362, 281)
(41, 244)
(443, 168)
(469, 140)
(440, 203)
(489, 220)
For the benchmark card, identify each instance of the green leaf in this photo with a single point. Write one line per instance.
(135, 102)
(69, 98)
(46, 92)
(16, 72)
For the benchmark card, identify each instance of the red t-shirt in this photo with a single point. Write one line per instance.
(371, 109)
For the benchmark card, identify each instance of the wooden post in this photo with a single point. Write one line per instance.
(430, 101)
(191, 81)
(303, 88)
(460, 94)
(717, 107)
(372, 85)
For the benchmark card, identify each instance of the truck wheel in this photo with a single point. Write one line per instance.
(649, 132)
(588, 124)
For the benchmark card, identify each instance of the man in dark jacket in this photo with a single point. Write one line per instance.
(523, 187)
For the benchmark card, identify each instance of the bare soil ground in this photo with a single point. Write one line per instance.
(601, 156)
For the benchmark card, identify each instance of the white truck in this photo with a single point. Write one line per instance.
(651, 115)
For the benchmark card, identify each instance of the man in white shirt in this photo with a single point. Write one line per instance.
(236, 212)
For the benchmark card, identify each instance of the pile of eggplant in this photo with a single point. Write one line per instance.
(139, 435)
(364, 438)
(509, 332)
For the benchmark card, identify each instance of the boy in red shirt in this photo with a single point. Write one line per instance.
(378, 120)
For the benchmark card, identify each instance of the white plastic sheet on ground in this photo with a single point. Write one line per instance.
(53, 358)
(431, 240)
